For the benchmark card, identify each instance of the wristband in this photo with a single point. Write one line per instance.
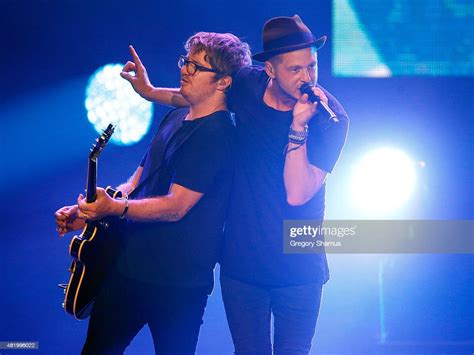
(125, 210)
(298, 137)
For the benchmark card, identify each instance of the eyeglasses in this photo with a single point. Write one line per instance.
(192, 67)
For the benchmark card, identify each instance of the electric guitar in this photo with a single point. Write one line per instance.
(94, 250)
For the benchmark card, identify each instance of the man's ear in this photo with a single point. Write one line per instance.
(270, 69)
(224, 83)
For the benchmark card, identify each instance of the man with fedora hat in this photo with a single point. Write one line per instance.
(286, 146)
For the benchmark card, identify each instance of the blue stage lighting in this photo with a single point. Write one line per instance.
(383, 181)
(111, 99)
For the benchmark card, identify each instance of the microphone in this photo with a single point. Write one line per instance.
(306, 88)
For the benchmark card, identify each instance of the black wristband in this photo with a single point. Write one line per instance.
(298, 137)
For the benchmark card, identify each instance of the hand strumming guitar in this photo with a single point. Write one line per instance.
(68, 220)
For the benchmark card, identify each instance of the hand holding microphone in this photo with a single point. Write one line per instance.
(307, 88)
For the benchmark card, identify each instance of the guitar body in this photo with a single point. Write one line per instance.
(93, 253)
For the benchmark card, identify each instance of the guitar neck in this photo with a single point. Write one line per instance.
(91, 188)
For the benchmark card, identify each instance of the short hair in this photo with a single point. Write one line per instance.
(277, 58)
(225, 52)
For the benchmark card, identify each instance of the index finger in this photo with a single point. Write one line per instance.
(60, 213)
(135, 56)
(304, 98)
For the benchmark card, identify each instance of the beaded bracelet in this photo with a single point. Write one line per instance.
(298, 137)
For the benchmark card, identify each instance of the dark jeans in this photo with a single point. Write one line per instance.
(124, 306)
(248, 308)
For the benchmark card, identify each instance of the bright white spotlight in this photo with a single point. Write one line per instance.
(383, 180)
(111, 99)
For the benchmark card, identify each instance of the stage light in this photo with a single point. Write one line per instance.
(383, 181)
(111, 99)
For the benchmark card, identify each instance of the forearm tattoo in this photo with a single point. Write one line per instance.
(168, 216)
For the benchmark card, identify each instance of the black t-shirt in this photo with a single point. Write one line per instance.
(253, 248)
(198, 155)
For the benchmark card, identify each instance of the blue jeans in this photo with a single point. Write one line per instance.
(249, 307)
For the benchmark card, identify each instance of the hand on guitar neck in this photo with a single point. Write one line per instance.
(71, 218)
(68, 220)
(103, 206)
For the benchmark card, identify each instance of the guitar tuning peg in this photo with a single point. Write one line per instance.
(62, 304)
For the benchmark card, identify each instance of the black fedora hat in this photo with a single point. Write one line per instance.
(286, 34)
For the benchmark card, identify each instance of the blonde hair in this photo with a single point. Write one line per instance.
(225, 52)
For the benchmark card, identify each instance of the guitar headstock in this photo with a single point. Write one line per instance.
(101, 142)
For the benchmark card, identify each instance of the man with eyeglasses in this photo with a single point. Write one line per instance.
(287, 146)
(175, 212)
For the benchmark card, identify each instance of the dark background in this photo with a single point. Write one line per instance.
(49, 50)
